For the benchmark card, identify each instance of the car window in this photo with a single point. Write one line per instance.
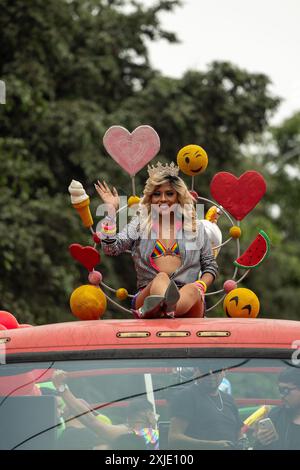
(38, 415)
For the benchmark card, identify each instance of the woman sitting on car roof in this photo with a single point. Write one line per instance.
(172, 254)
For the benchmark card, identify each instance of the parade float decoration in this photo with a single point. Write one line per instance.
(9, 322)
(256, 253)
(241, 303)
(233, 197)
(132, 151)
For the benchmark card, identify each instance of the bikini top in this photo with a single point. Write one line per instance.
(160, 250)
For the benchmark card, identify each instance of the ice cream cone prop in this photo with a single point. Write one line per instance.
(81, 202)
(83, 209)
(213, 214)
(213, 232)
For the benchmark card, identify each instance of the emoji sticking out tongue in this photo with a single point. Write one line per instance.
(192, 160)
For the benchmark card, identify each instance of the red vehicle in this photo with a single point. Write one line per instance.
(110, 363)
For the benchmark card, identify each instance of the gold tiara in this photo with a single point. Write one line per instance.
(171, 169)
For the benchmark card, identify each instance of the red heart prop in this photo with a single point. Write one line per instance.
(238, 195)
(86, 255)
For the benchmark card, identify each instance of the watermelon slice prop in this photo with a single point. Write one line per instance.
(256, 253)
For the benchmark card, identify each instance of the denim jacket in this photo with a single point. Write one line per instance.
(196, 253)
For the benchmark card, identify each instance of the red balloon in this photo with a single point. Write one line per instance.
(2, 327)
(8, 320)
(24, 325)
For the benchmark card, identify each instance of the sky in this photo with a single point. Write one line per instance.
(261, 36)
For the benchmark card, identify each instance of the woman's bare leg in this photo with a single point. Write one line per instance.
(190, 303)
(159, 284)
(197, 310)
(142, 295)
(156, 287)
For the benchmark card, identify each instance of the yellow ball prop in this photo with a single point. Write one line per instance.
(241, 303)
(133, 200)
(192, 160)
(88, 302)
(235, 232)
(122, 293)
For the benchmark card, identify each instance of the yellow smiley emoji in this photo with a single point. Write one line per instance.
(192, 160)
(241, 303)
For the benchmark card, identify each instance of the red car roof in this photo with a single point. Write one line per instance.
(123, 334)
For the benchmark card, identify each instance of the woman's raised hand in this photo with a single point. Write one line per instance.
(109, 197)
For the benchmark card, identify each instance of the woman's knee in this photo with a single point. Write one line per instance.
(190, 290)
(162, 277)
(190, 306)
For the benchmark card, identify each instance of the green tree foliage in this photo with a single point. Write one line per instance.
(282, 285)
(221, 108)
(277, 280)
(67, 65)
(73, 68)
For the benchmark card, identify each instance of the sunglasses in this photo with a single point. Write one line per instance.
(284, 391)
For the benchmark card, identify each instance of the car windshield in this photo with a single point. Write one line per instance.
(146, 403)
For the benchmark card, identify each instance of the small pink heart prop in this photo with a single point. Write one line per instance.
(86, 255)
(132, 151)
(238, 195)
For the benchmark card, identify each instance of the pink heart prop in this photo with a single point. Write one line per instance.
(238, 195)
(86, 255)
(132, 151)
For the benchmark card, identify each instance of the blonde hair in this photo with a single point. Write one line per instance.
(185, 199)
